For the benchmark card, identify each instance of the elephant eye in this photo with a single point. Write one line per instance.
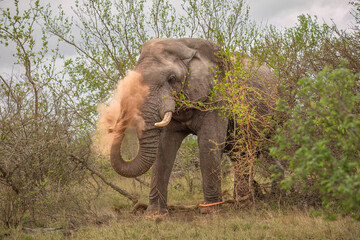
(172, 79)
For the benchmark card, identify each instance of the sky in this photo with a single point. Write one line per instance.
(281, 13)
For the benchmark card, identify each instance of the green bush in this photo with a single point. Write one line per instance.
(321, 139)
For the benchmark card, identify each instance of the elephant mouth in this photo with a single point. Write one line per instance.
(165, 121)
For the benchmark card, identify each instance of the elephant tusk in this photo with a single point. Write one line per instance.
(166, 120)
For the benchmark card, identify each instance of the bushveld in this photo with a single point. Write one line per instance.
(53, 185)
(259, 220)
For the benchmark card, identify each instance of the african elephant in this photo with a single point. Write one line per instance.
(167, 67)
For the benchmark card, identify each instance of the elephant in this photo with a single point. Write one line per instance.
(168, 67)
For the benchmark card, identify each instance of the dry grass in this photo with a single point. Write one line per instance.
(226, 224)
(249, 222)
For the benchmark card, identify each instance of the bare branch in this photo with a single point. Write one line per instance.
(123, 192)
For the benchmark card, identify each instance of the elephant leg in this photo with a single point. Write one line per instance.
(241, 178)
(211, 138)
(170, 142)
(276, 190)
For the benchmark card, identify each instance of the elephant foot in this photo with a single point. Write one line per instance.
(155, 216)
(155, 211)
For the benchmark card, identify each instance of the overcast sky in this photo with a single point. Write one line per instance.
(281, 13)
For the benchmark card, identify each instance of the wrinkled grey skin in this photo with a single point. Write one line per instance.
(168, 66)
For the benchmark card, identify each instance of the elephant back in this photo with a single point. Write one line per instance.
(262, 92)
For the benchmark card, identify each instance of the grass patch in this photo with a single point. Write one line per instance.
(261, 221)
(251, 223)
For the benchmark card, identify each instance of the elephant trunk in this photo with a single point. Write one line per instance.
(145, 158)
(148, 144)
(140, 108)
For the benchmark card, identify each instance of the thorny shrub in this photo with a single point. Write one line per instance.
(317, 67)
(321, 139)
(39, 180)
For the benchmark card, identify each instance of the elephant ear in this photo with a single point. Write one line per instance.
(188, 56)
(202, 69)
(181, 51)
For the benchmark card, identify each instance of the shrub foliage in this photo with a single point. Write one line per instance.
(321, 139)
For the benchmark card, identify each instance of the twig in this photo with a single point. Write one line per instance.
(142, 182)
(116, 188)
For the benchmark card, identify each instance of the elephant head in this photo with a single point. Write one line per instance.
(165, 68)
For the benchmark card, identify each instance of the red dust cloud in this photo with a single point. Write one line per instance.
(121, 112)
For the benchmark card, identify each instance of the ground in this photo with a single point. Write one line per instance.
(263, 220)
(228, 223)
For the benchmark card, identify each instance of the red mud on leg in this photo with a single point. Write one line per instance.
(121, 112)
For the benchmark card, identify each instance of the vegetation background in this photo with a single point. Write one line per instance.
(53, 182)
